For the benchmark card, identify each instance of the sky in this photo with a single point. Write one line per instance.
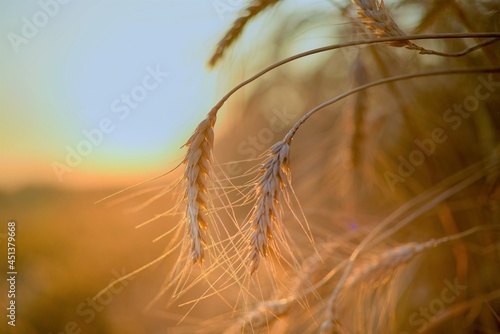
(103, 89)
(97, 93)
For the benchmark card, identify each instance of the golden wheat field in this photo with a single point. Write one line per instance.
(338, 169)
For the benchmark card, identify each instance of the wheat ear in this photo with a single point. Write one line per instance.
(266, 214)
(378, 267)
(255, 8)
(376, 18)
(197, 177)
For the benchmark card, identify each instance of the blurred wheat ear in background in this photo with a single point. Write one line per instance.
(393, 221)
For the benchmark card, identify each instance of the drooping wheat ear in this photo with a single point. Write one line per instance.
(266, 213)
(376, 268)
(379, 267)
(256, 7)
(197, 177)
(376, 18)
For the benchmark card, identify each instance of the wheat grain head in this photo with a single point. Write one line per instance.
(256, 7)
(376, 18)
(197, 178)
(266, 217)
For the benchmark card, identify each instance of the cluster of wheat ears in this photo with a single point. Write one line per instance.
(338, 281)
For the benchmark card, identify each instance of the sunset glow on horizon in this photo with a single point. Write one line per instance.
(94, 87)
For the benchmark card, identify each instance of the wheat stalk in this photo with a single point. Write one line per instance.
(291, 133)
(494, 36)
(265, 220)
(197, 177)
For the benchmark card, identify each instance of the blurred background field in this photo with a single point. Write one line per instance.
(69, 249)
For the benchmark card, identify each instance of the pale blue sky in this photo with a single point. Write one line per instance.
(67, 66)
(63, 75)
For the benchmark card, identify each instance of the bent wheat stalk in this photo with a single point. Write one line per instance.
(291, 133)
(495, 36)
